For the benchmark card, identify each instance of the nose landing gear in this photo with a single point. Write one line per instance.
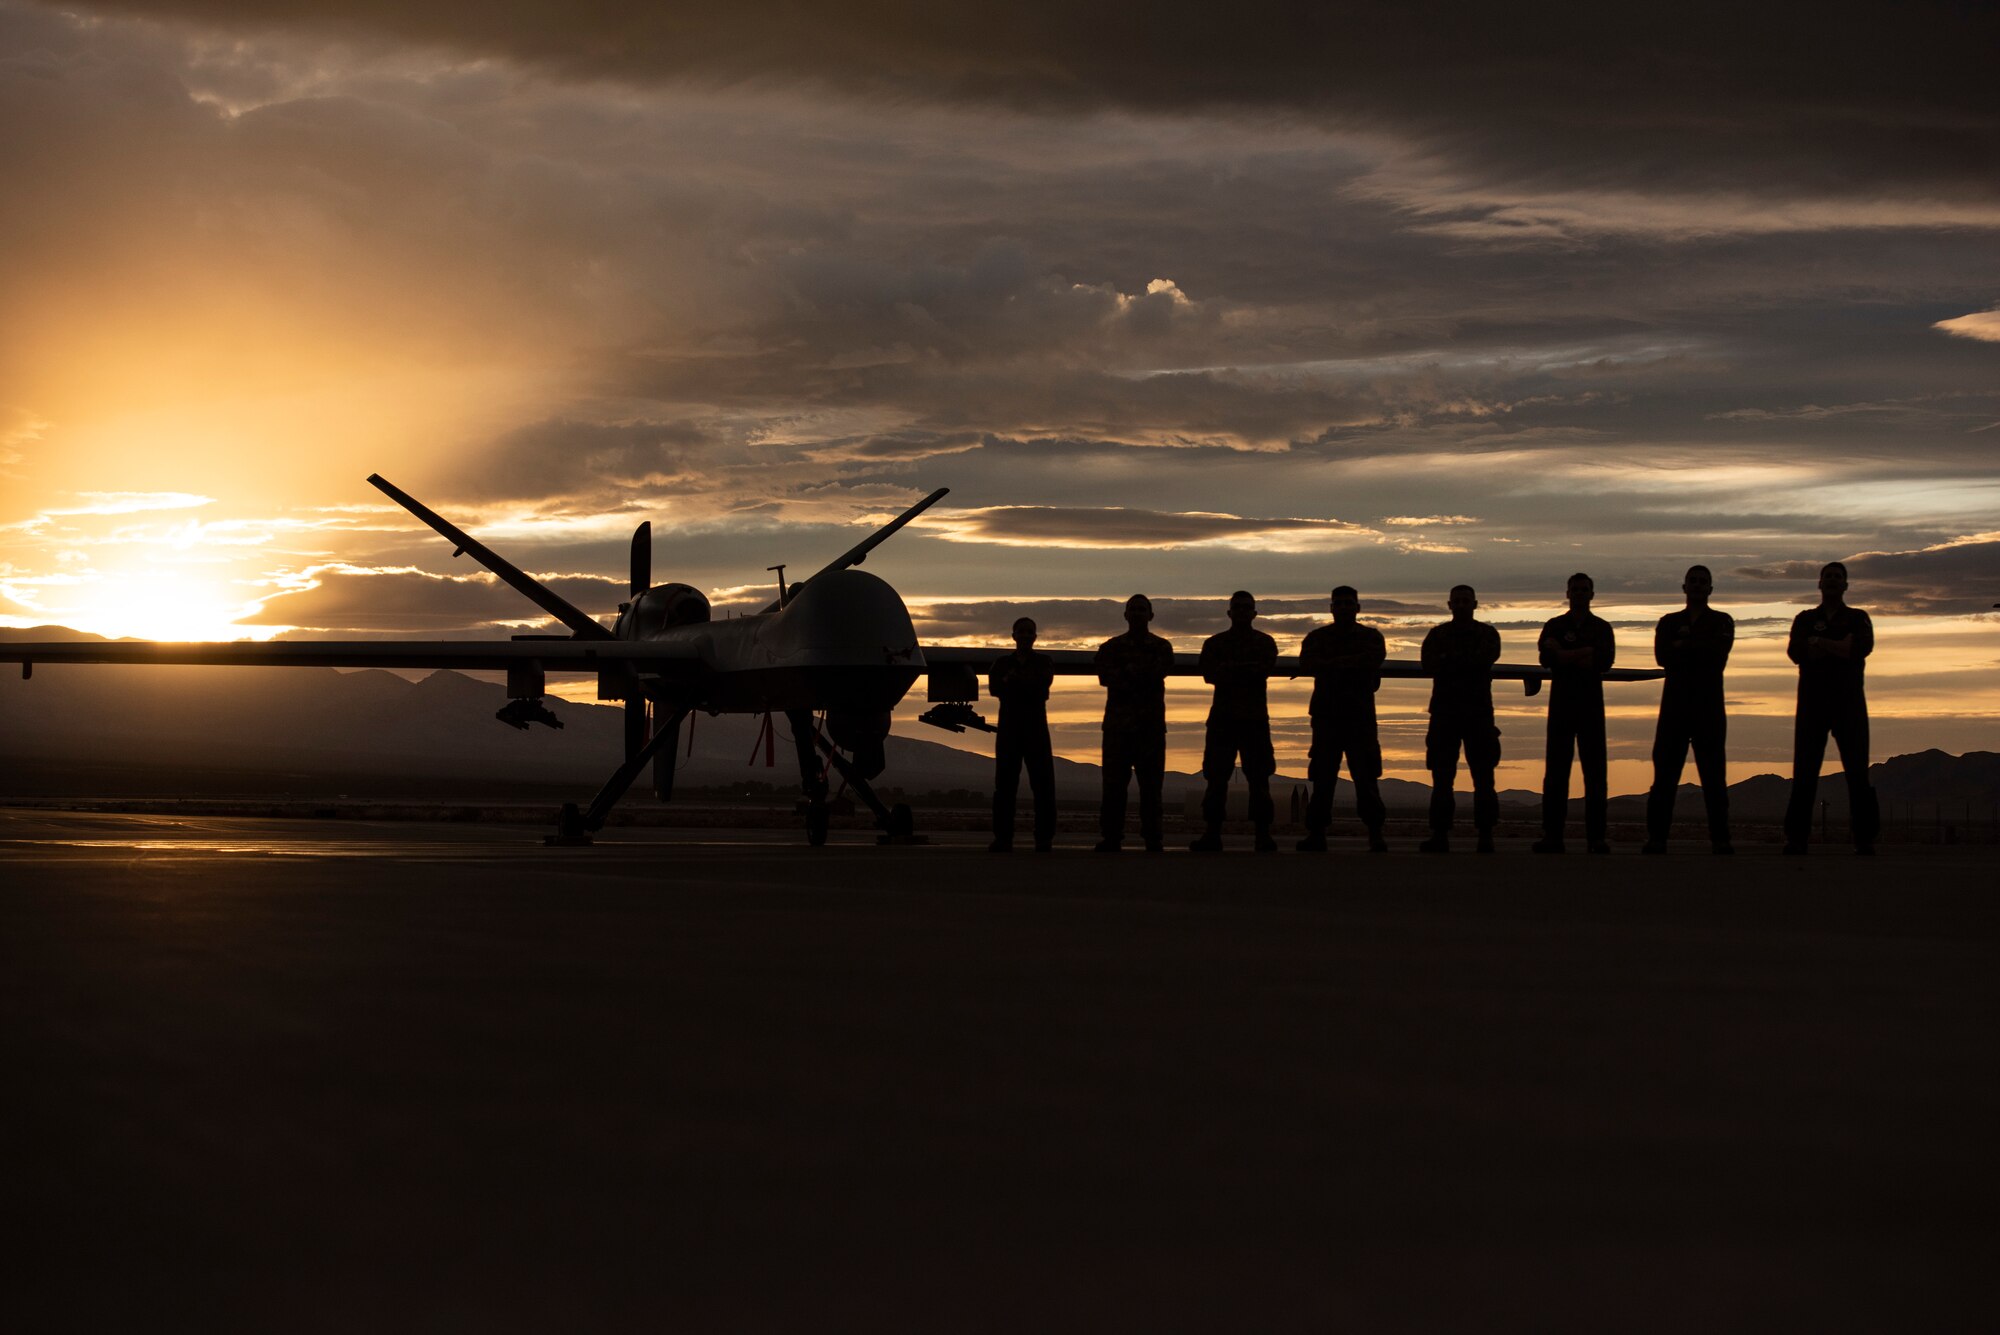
(897, 823)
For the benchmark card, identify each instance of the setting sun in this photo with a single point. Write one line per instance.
(158, 603)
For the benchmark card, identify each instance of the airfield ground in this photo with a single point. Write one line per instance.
(312, 1075)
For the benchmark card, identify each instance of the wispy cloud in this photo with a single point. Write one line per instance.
(1071, 526)
(130, 502)
(1981, 325)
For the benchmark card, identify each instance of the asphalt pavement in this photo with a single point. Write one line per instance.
(340, 1075)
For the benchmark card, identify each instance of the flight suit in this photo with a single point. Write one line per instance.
(1133, 669)
(1576, 722)
(1694, 649)
(1021, 685)
(1832, 699)
(1343, 721)
(1238, 662)
(1460, 657)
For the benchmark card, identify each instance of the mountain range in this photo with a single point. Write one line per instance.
(296, 732)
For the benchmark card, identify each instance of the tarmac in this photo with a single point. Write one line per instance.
(339, 1075)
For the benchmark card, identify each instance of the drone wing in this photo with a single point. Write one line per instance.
(1083, 662)
(858, 553)
(536, 592)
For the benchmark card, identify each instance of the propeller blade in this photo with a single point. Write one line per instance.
(642, 558)
(523, 583)
(858, 553)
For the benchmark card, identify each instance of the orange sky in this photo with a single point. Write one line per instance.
(1256, 338)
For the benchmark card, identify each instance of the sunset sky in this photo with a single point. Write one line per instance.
(1263, 296)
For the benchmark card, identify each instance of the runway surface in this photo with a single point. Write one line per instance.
(332, 1075)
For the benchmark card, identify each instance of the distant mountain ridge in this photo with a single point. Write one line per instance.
(300, 730)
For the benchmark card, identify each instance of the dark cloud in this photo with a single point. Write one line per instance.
(415, 602)
(560, 457)
(1950, 579)
(1782, 570)
(1850, 97)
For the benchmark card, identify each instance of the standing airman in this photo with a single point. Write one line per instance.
(1238, 662)
(1345, 662)
(1831, 644)
(1693, 646)
(1133, 669)
(1576, 647)
(1020, 681)
(1459, 656)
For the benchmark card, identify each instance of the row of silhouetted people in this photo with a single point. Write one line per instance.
(1830, 643)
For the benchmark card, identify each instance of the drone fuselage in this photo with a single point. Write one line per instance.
(843, 643)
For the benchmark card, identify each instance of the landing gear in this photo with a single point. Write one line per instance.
(574, 827)
(898, 823)
(570, 832)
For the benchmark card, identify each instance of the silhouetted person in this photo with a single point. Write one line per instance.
(1576, 647)
(1345, 662)
(1459, 655)
(1020, 681)
(1831, 644)
(1693, 646)
(1133, 668)
(1238, 662)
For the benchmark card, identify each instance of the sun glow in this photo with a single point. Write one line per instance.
(157, 603)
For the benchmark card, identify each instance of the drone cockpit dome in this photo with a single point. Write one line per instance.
(665, 606)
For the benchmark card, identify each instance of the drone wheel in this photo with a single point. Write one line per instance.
(816, 825)
(901, 822)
